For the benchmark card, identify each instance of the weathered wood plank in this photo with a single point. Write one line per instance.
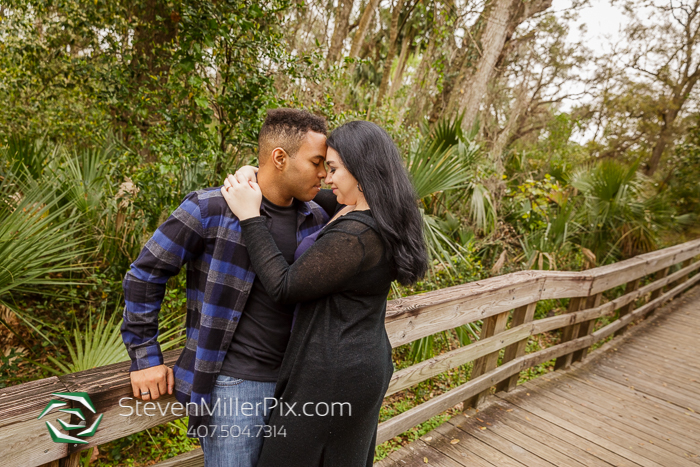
(654, 443)
(659, 275)
(607, 277)
(570, 332)
(545, 445)
(443, 440)
(635, 416)
(419, 414)
(566, 441)
(538, 448)
(25, 440)
(194, 458)
(420, 372)
(653, 447)
(625, 310)
(521, 315)
(414, 374)
(493, 326)
(561, 419)
(418, 316)
(480, 444)
(110, 390)
(667, 372)
(634, 376)
(684, 278)
(588, 326)
(635, 397)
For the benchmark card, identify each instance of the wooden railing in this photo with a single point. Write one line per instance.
(505, 304)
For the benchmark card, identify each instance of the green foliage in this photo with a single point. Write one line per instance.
(685, 173)
(38, 241)
(72, 69)
(158, 443)
(100, 344)
(95, 346)
(621, 215)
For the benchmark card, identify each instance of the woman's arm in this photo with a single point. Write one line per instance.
(325, 198)
(322, 270)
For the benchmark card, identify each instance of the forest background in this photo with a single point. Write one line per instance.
(528, 150)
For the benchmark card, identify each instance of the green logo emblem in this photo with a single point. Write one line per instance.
(81, 397)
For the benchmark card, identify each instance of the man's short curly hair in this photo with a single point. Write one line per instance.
(286, 128)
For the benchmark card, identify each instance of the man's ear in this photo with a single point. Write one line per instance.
(279, 158)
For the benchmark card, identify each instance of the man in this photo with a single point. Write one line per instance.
(236, 335)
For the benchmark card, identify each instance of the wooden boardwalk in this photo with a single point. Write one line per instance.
(634, 402)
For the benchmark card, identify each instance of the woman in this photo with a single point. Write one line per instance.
(338, 364)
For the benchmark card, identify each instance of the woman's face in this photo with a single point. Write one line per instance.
(341, 181)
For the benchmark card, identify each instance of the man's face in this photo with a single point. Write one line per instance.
(306, 169)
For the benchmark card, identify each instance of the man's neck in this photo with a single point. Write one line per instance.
(271, 190)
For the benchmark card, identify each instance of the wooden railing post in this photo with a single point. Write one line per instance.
(659, 275)
(625, 310)
(492, 325)
(521, 315)
(570, 332)
(587, 327)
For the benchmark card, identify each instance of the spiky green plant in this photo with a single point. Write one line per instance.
(622, 215)
(544, 248)
(442, 161)
(39, 243)
(100, 343)
(438, 163)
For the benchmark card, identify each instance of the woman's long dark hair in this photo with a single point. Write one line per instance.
(370, 155)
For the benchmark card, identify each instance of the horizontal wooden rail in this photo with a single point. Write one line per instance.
(25, 441)
(420, 372)
(417, 316)
(436, 405)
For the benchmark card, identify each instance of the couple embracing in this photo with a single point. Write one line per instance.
(286, 357)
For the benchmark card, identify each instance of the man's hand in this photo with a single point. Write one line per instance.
(153, 382)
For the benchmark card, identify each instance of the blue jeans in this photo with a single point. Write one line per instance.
(235, 431)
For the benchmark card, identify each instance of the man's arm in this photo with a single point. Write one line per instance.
(179, 239)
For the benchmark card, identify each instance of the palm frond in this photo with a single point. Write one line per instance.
(100, 343)
(38, 241)
(481, 208)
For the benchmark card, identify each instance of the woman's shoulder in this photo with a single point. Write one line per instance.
(359, 224)
(357, 221)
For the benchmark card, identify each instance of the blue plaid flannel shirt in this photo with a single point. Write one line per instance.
(206, 235)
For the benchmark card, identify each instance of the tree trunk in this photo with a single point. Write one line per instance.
(515, 119)
(393, 36)
(474, 85)
(680, 96)
(365, 20)
(400, 66)
(665, 137)
(149, 36)
(340, 31)
(463, 57)
(469, 84)
(417, 96)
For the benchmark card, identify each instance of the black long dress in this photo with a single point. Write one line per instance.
(339, 357)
